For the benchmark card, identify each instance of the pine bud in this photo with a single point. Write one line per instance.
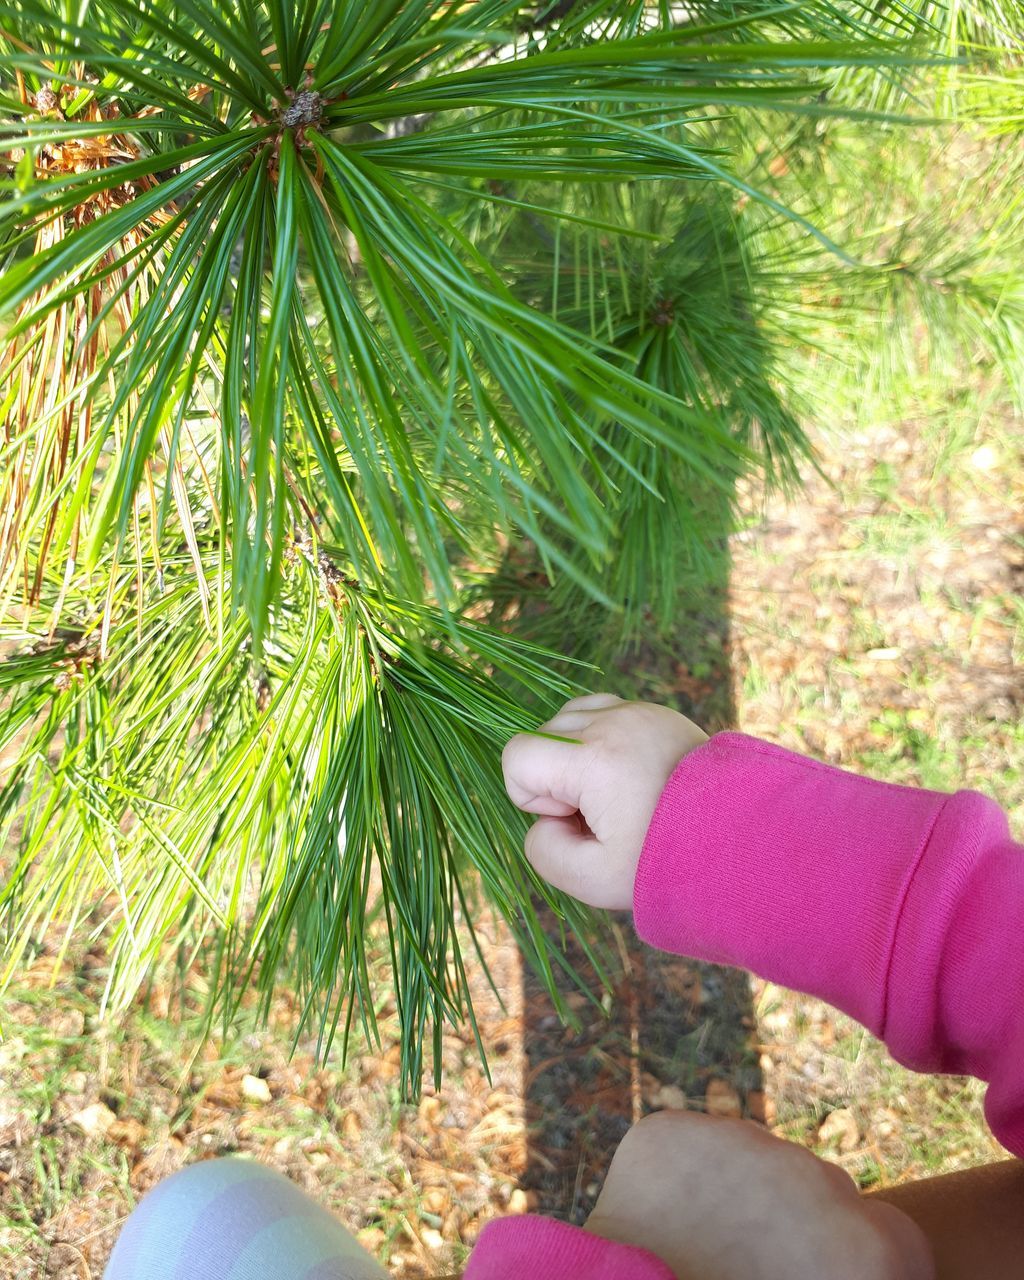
(47, 100)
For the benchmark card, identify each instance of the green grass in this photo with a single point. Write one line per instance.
(910, 1126)
(908, 675)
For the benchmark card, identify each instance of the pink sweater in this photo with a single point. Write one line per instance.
(903, 908)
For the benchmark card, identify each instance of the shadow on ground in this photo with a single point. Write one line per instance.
(677, 1033)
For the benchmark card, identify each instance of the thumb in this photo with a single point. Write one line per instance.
(560, 852)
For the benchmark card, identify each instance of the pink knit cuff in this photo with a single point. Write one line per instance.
(901, 907)
(534, 1248)
(763, 859)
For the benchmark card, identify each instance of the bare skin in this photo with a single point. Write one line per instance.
(714, 1198)
(722, 1199)
(973, 1220)
(676, 1185)
(596, 800)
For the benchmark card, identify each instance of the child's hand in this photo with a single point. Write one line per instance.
(597, 798)
(722, 1199)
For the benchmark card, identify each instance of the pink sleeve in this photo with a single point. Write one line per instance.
(903, 908)
(544, 1249)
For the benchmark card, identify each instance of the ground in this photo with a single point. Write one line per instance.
(873, 621)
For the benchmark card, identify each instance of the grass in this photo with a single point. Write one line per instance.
(908, 1126)
(840, 647)
(878, 625)
(881, 662)
(388, 1170)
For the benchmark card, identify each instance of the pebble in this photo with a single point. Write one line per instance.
(255, 1089)
(721, 1099)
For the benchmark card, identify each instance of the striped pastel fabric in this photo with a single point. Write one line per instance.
(233, 1219)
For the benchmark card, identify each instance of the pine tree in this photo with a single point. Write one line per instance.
(330, 331)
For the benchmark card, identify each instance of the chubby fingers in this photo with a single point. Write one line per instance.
(579, 714)
(542, 776)
(572, 860)
(590, 702)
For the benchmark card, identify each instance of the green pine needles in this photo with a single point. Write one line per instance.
(311, 313)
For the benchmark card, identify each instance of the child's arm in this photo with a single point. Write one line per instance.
(901, 907)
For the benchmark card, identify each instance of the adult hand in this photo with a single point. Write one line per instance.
(596, 798)
(722, 1199)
